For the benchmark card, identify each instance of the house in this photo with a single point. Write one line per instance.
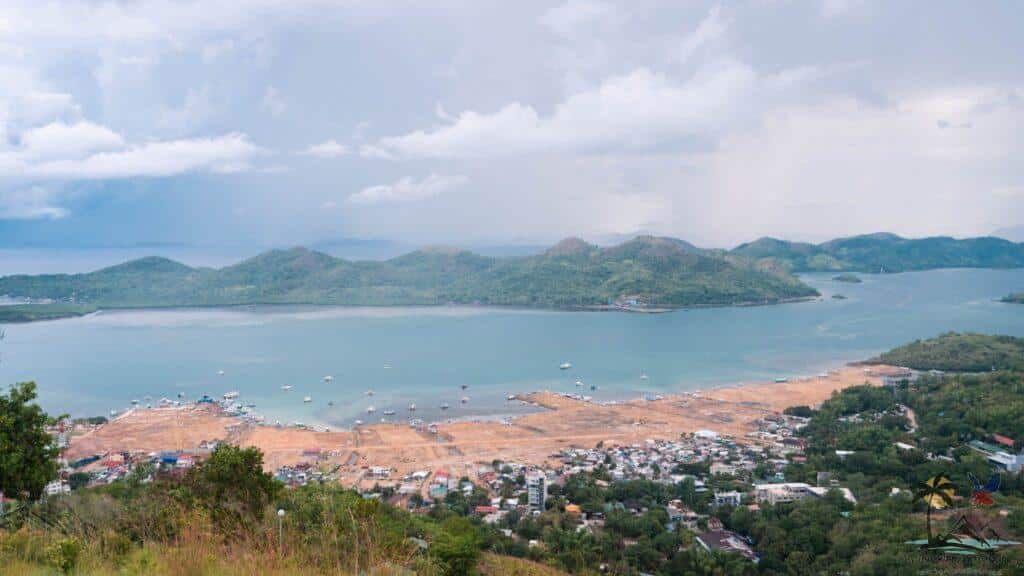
(1004, 440)
(793, 491)
(726, 541)
(731, 498)
(536, 491)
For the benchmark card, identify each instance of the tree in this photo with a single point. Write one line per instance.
(233, 477)
(937, 492)
(79, 480)
(28, 454)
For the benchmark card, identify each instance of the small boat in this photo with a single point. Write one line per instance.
(510, 397)
(389, 412)
(465, 399)
(444, 406)
(593, 386)
(181, 394)
(230, 395)
(371, 410)
(250, 405)
(330, 402)
(359, 422)
(464, 386)
(412, 407)
(113, 412)
(564, 366)
(387, 366)
(328, 379)
(579, 382)
(220, 372)
(307, 399)
(643, 376)
(286, 387)
(781, 380)
(134, 402)
(369, 392)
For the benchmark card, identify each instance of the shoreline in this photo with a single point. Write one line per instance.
(734, 410)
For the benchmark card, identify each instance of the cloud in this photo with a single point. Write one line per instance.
(837, 8)
(566, 19)
(273, 102)
(637, 111)
(223, 154)
(711, 28)
(34, 203)
(408, 190)
(328, 149)
(59, 140)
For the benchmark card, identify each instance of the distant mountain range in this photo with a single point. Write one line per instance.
(643, 273)
(646, 272)
(885, 253)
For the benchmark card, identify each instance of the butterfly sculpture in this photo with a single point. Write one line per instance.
(983, 494)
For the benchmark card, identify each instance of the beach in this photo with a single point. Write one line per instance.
(461, 446)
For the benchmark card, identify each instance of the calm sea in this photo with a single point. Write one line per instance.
(89, 366)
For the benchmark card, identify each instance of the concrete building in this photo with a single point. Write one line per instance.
(536, 491)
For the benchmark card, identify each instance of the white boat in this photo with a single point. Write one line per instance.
(369, 392)
(371, 410)
(387, 366)
(412, 407)
(564, 366)
(643, 376)
(359, 422)
(465, 399)
(307, 399)
(230, 395)
(444, 406)
(135, 402)
(579, 382)
(220, 372)
(286, 387)
(781, 380)
(510, 397)
(389, 412)
(328, 378)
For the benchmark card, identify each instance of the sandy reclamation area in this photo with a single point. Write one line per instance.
(462, 446)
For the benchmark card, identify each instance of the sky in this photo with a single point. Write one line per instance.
(285, 122)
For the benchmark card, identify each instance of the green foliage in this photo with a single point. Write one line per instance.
(1015, 298)
(660, 271)
(28, 455)
(848, 278)
(958, 353)
(79, 480)
(885, 252)
(64, 554)
(232, 482)
(35, 312)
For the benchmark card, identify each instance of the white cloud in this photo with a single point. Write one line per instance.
(273, 102)
(566, 19)
(329, 149)
(711, 28)
(33, 203)
(638, 111)
(223, 154)
(408, 190)
(59, 140)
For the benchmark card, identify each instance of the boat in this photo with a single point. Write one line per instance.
(387, 366)
(359, 422)
(444, 406)
(369, 392)
(781, 380)
(328, 379)
(181, 394)
(330, 402)
(307, 399)
(565, 366)
(371, 410)
(230, 395)
(643, 376)
(464, 386)
(510, 397)
(412, 407)
(465, 399)
(134, 402)
(579, 382)
(593, 386)
(389, 412)
(220, 372)
(286, 387)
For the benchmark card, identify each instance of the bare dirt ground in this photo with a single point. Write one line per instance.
(460, 447)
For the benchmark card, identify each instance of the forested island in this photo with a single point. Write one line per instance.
(885, 252)
(1016, 298)
(847, 278)
(645, 273)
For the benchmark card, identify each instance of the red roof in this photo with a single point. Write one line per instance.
(1005, 441)
(485, 509)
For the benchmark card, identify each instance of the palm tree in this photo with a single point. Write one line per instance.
(937, 492)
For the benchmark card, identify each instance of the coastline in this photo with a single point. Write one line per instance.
(733, 410)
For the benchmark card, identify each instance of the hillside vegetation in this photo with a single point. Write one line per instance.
(885, 253)
(1017, 298)
(657, 272)
(958, 353)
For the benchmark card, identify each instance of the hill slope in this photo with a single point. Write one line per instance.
(660, 272)
(886, 253)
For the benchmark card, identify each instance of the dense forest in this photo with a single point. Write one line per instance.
(885, 253)
(1016, 298)
(958, 353)
(644, 273)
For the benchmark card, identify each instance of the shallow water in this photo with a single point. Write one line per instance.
(88, 366)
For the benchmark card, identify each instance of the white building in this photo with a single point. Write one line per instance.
(536, 491)
(793, 491)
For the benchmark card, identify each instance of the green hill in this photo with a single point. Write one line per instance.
(958, 353)
(660, 272)
(1017, 298)
(885, 253)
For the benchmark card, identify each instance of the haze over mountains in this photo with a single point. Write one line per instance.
(648, 272)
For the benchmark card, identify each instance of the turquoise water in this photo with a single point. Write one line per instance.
(88, 366)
